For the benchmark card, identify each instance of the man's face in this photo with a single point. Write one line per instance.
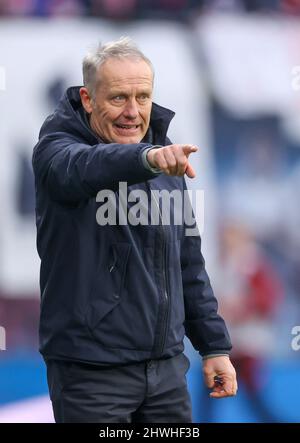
(120, 111)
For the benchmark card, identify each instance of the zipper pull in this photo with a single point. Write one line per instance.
(115, 258)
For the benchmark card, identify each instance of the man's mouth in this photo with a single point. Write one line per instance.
(127, 127)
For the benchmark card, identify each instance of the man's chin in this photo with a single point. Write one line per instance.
(128, 140)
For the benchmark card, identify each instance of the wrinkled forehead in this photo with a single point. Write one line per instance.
(117, 72)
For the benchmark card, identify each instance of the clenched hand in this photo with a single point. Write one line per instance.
(173, 159)
(222, 368)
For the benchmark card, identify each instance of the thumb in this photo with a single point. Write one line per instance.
(189, 170)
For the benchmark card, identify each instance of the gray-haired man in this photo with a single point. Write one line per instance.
(117, 299)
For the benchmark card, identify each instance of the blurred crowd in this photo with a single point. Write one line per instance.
(257, 180)
(140, 9)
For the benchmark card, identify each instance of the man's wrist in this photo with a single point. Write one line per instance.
(146, 161)
(216, 354)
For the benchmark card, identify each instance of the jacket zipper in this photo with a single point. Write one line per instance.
(165, 287)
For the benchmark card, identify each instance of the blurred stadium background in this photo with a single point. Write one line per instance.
(229, 68)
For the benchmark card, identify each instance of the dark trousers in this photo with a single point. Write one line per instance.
(147, 392)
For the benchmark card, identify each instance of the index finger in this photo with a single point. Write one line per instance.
(188, 149)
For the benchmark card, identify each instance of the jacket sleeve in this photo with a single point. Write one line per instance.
(204, 327)
(72, 171)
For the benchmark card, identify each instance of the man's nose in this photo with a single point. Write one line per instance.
(131, 109)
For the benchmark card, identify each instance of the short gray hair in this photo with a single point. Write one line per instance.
(125, 47)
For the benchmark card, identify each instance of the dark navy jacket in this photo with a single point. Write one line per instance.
(113, 294)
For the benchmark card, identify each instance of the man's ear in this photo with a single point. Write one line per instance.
(86, 99)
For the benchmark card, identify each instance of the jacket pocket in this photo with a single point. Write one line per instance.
(108, 285)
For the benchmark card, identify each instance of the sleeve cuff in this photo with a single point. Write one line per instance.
(216, 354)
(145, 160)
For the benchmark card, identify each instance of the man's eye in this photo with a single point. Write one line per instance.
(119, 98)
(143, 97)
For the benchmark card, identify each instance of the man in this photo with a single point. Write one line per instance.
(117, 299)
